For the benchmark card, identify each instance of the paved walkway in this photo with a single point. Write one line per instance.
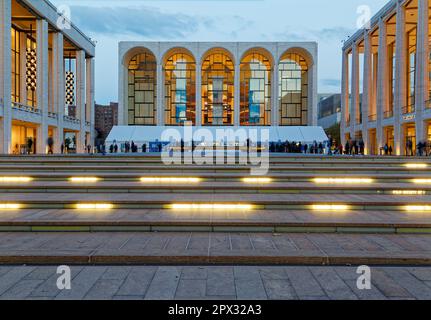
(221, 282)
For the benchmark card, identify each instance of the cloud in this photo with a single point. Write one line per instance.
(325, 34)
(143, 21)
(331, 82)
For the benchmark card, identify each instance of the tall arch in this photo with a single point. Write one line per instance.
(294, 88)
(217, 88)
(180, 87)
(255, 88)
(142, 88)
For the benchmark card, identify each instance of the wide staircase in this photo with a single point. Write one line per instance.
(137, 210)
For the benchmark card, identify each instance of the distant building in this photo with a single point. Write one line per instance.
(329, 111)
(106, 119)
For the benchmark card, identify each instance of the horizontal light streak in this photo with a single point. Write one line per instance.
(422, 181)
(257, 180)
(10, 206)
(16, 179)
(94, 206)
(210, 206)
(330, 207)
(409, 192)
(418, 208)
(84, 179)
(416, 165)
(170, 180)
(343, 180)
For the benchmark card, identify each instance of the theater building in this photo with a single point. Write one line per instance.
(205, 84)
(388, 65)
(46, 80)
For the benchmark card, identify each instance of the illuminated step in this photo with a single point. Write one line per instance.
(94, 206)
(343, 180)
(210, 206)
(84, 179)
(170, 180)
(15, 179)
(330, 207)
(256, 180)
(416, 165)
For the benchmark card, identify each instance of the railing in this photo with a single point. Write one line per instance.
(409, 109)
(73, 120)
(388, 114)
(23, 107)
(428, 104)
(52, 115)
(372, 117)
(88, 123)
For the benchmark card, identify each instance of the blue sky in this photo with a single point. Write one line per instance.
(327, 21)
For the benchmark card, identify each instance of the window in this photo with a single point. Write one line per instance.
(142, 90)
(411, 71)
(180, 89)
(218, 74)
(293, 90)
(255, 89)
(16, 65)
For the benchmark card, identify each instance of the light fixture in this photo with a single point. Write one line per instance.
(10, 206)
(83, 179)
(170, 180)
(416, 165)
(94, 206)
(409, 192)
(343, 180)
(422, 181)
(257, 180)
(210, 206)
(418, 208)
(15, 179)
(330, 207)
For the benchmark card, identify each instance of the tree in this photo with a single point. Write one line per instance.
(335, 132)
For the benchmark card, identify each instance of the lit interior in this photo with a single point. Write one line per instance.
(94, 206)
(343, 180)
(16, 179)
(257, 180)
(83, 179)
(169, 180)
(330, 207)
(211, 206)
(409, 192)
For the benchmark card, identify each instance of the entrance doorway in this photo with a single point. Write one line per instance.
(23, 139)
(372, 136)
(410, 139)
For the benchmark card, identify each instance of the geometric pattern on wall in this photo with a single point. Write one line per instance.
(70, 88)
(31, 69)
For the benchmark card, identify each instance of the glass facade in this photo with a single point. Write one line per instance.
(16, 65)
(180, 89)
(293, 90)
(392, 80)
(411, 71)
(218, 76)
(255, 90)
(142, 90)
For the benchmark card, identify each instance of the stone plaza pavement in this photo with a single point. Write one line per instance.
(214, 283)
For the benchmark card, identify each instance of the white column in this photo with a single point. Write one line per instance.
(382, 82)
(237, 99)
(312, 96)
(160, 96)
(366, 95)
(90, 110)
(42, 86)
(422, 69)
(5, 81)
(198, 94)
(59, 87)
(275, 105)
(401, 77)
(80, 99)
(344, 96)
(355, 90)
(123, 102)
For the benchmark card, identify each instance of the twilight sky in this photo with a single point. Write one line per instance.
(108, 22)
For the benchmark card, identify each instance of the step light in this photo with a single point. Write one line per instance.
(15, 179)
(416, 165)
(422, 181)
(256, 180)
(83, 179)
(343, 180)
(210, 206)
(409, 192)
(94, 206)
(10, 206)
(330, 207)
(426, 208)
(169, 180)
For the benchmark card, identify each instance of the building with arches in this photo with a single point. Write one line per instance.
(238, 84)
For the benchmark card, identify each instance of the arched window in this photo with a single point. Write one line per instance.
(255, 99)
(142, 89)
(180, 89)
(218, 75)
(293, 90)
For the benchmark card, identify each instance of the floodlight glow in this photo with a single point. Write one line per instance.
(343, 180)
(15, 179)
(418, 208)
(409, 192)
(170, 180)
(10, 206)
(94, 206)
(422, 181)
(330, 207)
(416, 165)
(257, 180)
(83, 179)
(210, 206)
